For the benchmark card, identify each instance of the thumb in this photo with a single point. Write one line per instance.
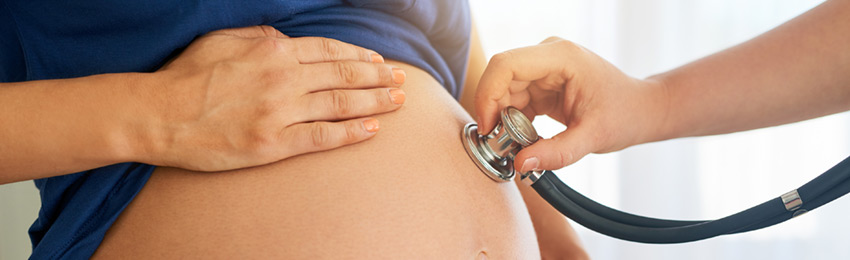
(551, 154)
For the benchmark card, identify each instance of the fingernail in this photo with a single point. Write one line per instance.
(530, 164)
(377, 58)
(478, 121)
(398, 76)
(371, 125)
(397, 96)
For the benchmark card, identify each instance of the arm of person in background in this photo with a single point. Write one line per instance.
(797, 71)
(234, 98)
(555, 236)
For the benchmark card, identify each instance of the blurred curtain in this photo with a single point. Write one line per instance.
(692, 178)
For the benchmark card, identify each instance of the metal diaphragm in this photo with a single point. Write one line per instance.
(494, 153)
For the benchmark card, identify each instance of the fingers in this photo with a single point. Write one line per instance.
(519, 96)
(351, 74)
(308, 49)
(544, 102)
(551, 154)
(321, 136)
(251, 32)
(315, 49)
(552, 39)
(345, 104)
(523, 64)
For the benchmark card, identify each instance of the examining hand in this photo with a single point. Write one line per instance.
(243, 97)
(604, 109)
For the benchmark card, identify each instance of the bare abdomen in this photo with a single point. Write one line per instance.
(410, 192)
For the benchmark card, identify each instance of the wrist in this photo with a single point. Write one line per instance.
(143, 127)
(657, 116)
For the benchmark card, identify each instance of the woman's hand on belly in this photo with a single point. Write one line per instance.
(249, 96)
(410, 192)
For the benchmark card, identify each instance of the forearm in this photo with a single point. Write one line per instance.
(556, 237)
(55, 127)
(796, 71)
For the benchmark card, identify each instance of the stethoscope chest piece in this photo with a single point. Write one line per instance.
(494, 153)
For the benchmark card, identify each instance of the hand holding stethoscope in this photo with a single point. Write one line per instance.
(780, 77)
(604, 109)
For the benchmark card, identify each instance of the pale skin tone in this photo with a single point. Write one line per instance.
(794, 72)
(208, 110)
(216, 120)
(555, 237)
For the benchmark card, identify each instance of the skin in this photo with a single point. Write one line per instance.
(409, 192)
(208, 109)
(555, 237)
(794, 72)
(454, 210)
(200, 112)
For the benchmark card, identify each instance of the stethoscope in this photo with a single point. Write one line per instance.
(494, 154)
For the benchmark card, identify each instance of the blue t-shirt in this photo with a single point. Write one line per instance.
(42, 39)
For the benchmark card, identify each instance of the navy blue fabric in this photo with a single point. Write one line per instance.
(42, 39)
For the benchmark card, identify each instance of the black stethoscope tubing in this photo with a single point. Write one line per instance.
(827, 187)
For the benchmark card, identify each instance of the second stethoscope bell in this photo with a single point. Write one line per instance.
(494, 153)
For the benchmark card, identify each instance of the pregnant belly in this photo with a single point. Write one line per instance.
(410, 192)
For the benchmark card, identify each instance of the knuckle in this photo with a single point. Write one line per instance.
(352, 132)
(382, 98)
(331, 49)
(260, 139)
(502, 59)
(268, 30)
(552, 39)
(340, 102)
(567, 45)
(564, 157)
(346, 72)
(320, 135)
(385, 74)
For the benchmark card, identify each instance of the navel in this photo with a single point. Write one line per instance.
(481, 256)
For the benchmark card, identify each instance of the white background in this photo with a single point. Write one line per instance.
(695, 178)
